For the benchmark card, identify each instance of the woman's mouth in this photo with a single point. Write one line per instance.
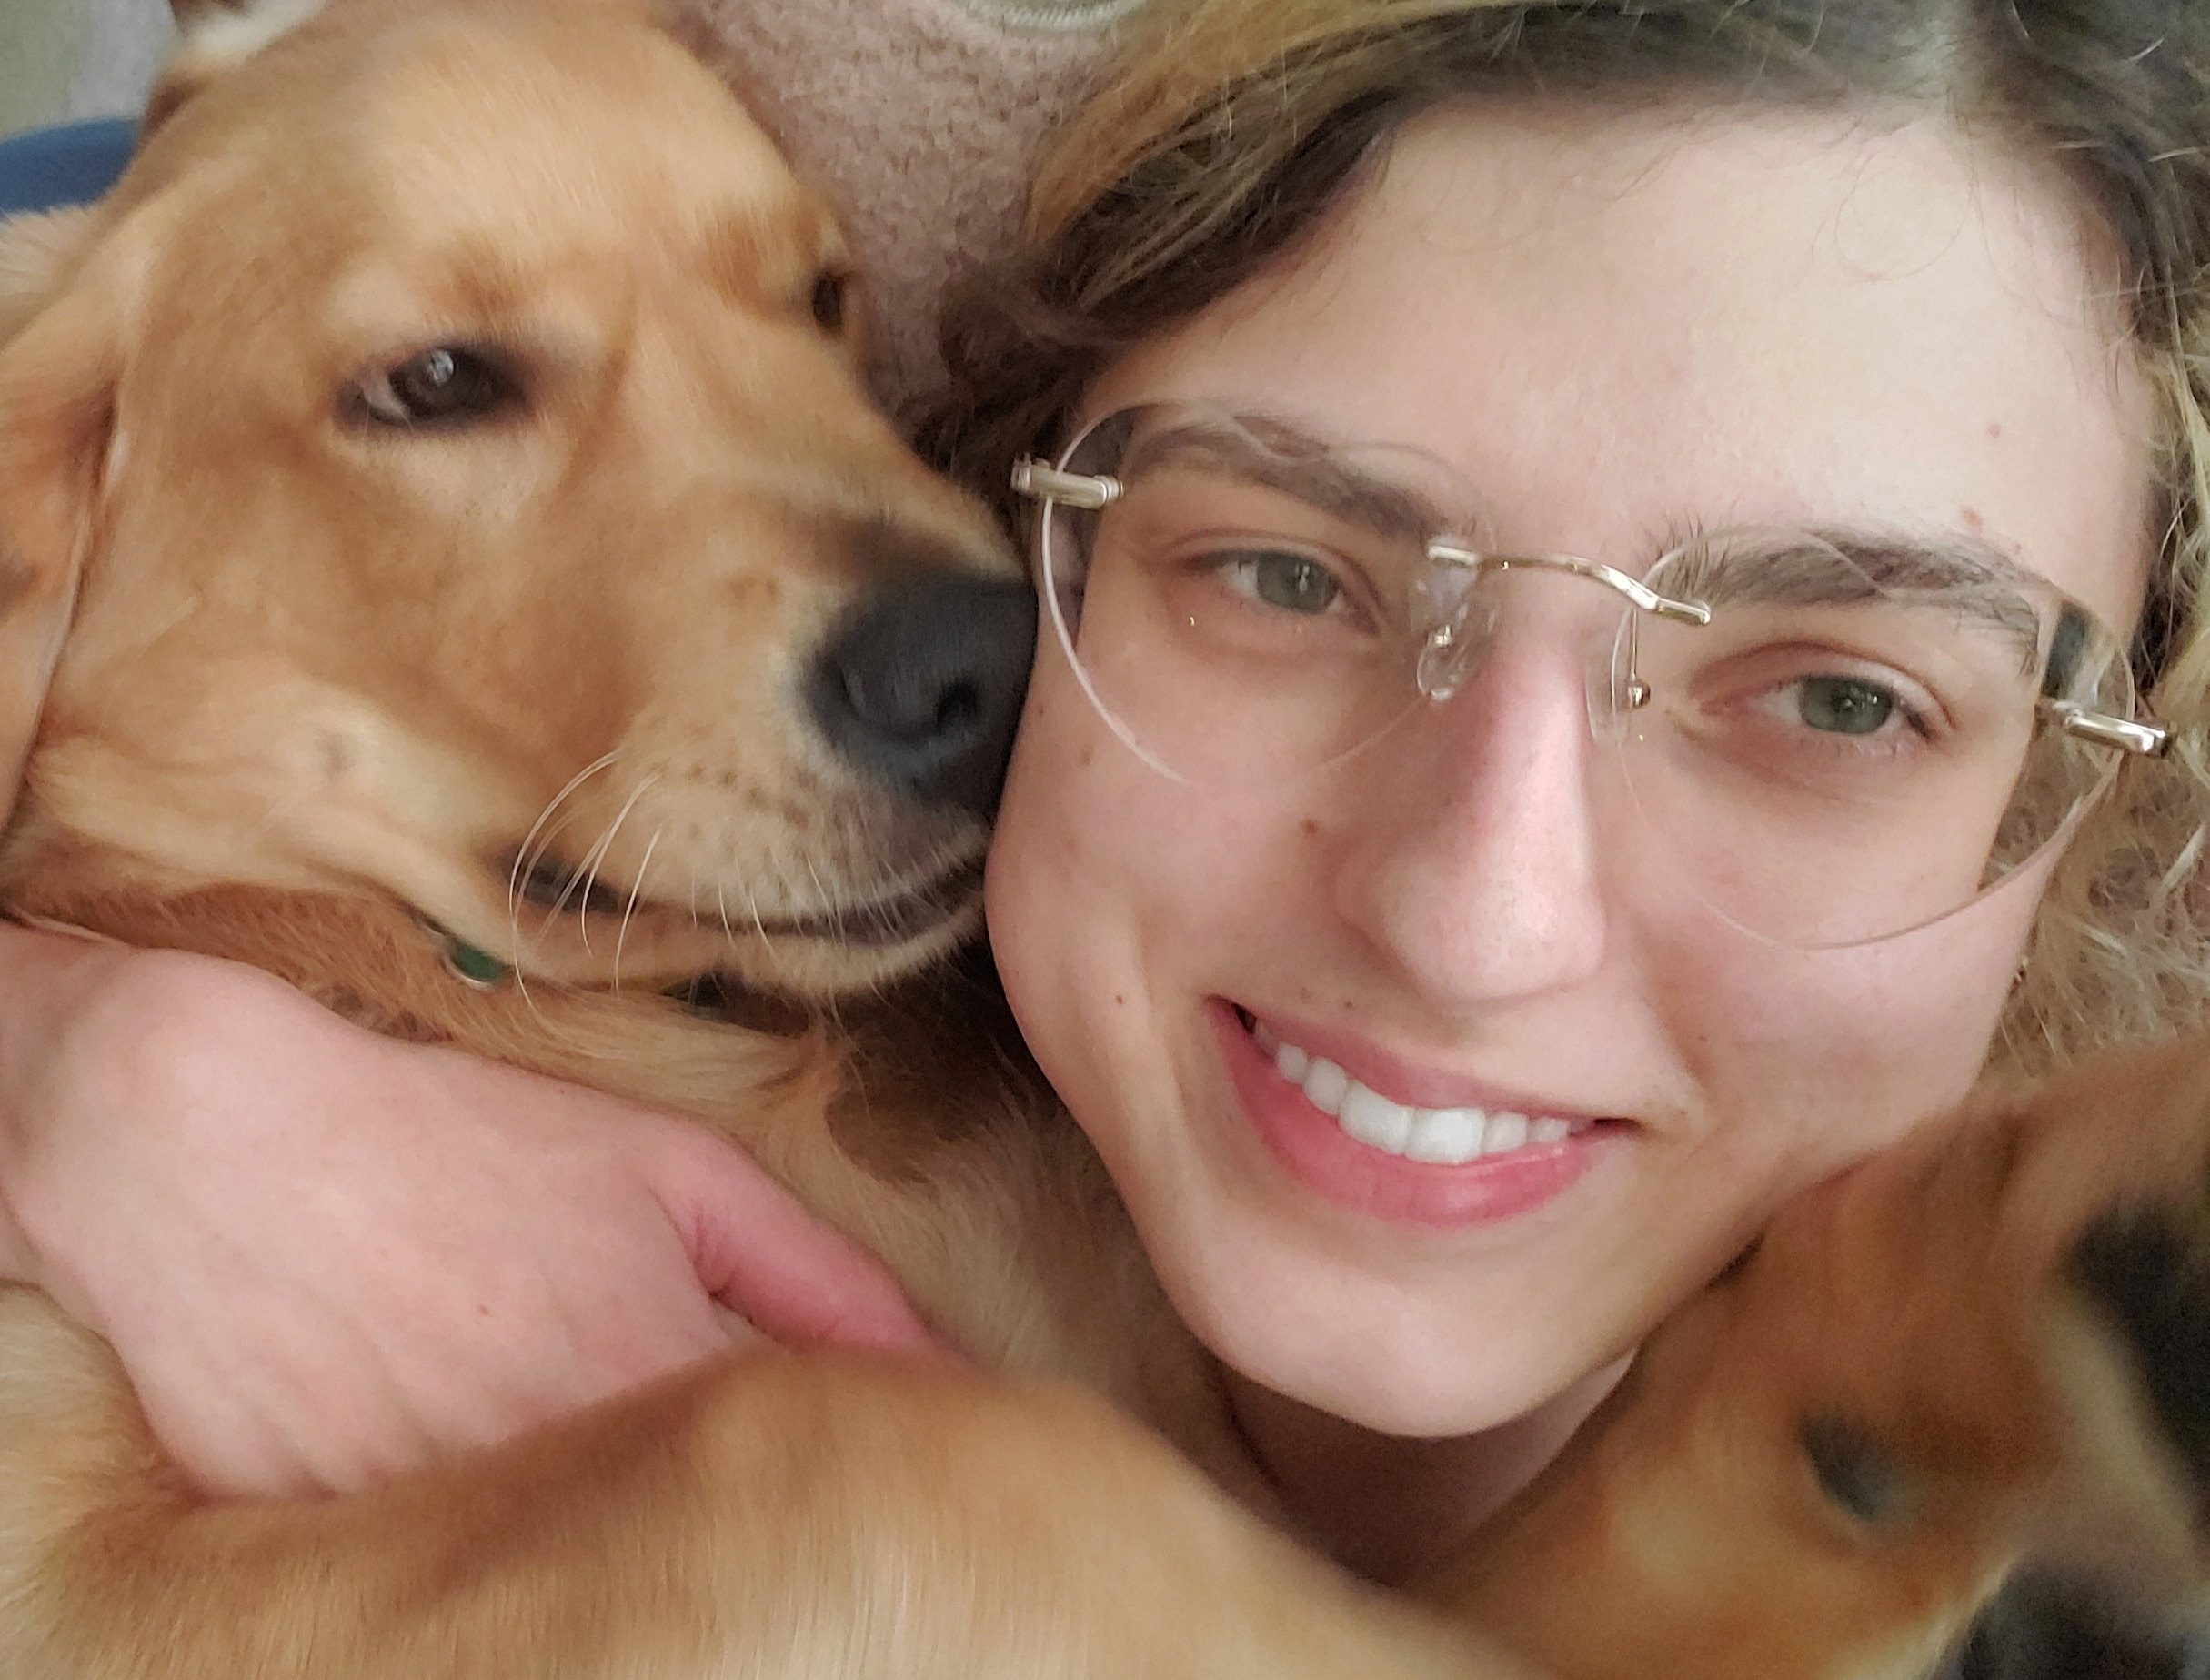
(1446, 1137)
(1361, 1148)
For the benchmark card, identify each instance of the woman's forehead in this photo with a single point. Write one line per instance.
(1621, 323)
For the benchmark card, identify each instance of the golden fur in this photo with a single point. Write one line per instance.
(1937, 1314)
(332, 695)
(324, 699)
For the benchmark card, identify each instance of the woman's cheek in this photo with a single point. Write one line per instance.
(1058, 905)
(1818, 1058)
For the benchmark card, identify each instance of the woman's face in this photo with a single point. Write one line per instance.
(1616, 327)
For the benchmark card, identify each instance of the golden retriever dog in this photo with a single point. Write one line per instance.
(446, 560)
(441, 513)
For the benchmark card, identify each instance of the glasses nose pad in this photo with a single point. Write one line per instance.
(1455, 618)
(1615, 688)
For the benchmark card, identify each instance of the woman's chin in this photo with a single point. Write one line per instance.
(1400, 1387)
(1408, 1351)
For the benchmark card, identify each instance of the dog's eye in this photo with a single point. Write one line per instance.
(830, 292)
(445, 385)
(1858, 1475)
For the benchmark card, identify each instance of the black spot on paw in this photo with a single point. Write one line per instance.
(1858, 1475)
(2141, 1266)
(2044, 1627)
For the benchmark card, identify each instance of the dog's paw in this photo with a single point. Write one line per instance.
(2146, 1269)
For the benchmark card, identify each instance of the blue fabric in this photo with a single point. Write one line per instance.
(47, 167)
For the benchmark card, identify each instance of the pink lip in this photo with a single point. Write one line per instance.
(1404, 1081)
(1320, 1155)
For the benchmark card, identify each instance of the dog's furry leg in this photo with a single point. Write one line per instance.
(782, 1515)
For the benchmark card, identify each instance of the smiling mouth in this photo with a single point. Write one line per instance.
(1449, 1137)
(555, 885)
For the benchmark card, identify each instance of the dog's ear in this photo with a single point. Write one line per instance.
(58, 378)
(216, 37)
(37, 251)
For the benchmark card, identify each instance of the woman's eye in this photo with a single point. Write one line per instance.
(1294, 582)
(1843, 705)
(448, 385)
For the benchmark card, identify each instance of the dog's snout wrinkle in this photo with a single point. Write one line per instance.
(923, 689)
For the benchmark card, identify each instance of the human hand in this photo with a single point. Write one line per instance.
(324, 1257)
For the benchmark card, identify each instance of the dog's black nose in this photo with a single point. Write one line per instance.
(922, 690)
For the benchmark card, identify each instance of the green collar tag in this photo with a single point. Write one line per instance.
(478, 967)
(473, 964)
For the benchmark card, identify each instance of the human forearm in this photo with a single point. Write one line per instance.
(324, 1256)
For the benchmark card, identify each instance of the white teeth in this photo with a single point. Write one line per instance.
(1376, 1121)
(1506, 1131)
(1442, 1137)
(1325, 1086)
(1447, 1136)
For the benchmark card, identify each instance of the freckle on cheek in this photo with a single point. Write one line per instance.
(1120, 997)
(1308, 828)
(1082, 759)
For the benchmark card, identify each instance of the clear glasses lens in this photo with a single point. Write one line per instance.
(1245, 608)
(1861, 740)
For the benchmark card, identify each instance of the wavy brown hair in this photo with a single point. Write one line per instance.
(1235, 125)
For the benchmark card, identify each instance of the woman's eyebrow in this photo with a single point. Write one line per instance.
(1965, 577)
(1279, 455)
(1832, 566)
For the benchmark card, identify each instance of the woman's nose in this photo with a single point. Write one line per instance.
(1474, 867)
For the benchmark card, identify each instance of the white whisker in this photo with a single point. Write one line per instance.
(822, 896)
(643, 869)
(523, 860)
(525, 864)
(589, 871)
(531, 863)
(752, 902)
